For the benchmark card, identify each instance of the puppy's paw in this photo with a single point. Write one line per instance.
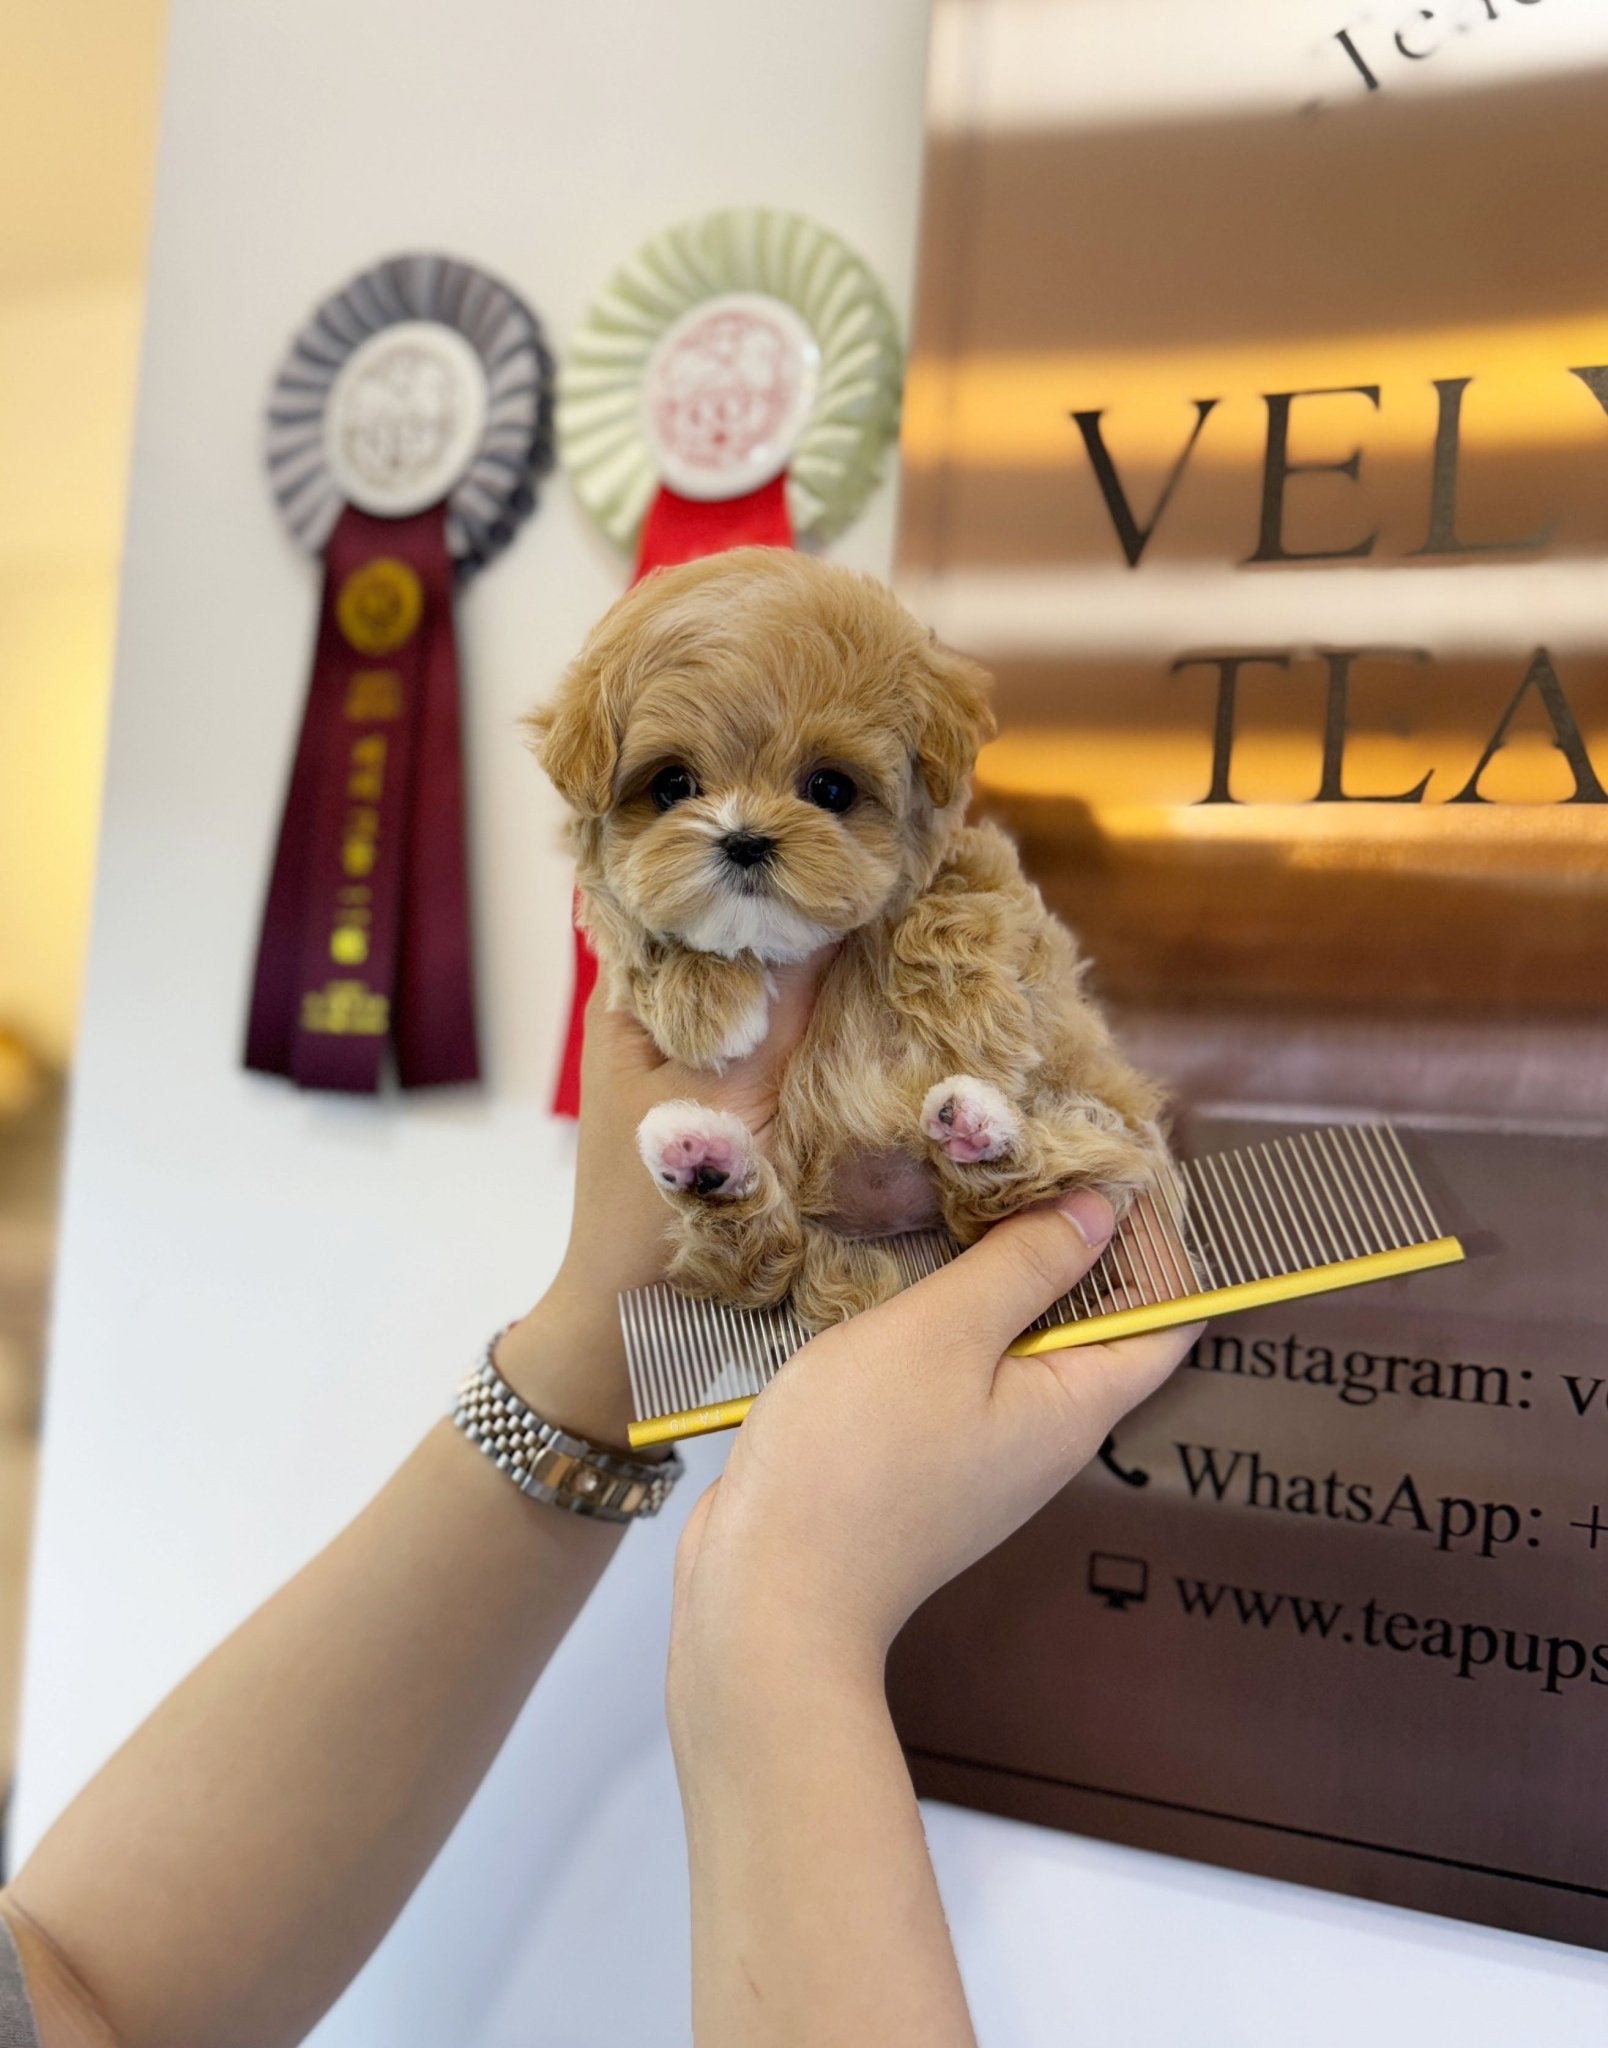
(746, 1030)
(968, 1120)
(703, 1011)
(691, 1150)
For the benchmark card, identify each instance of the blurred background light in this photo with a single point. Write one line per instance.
(78, 105)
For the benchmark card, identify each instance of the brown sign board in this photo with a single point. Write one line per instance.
(1334, 1605)
(1256, 438)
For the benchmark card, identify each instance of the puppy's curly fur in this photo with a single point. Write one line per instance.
(764, 755)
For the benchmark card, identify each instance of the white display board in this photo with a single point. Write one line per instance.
(264, 1298)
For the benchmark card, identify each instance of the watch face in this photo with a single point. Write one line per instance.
(729, 389)
(405, 417)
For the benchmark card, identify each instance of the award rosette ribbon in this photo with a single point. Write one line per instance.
(736, 384)
(407, 425)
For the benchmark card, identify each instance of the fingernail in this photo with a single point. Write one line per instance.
(1090, 1215)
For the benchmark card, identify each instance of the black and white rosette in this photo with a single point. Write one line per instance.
(407, 425)
(729, 350)
(422, 379)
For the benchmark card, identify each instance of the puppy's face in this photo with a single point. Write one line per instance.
(763, 751)
(748, 820)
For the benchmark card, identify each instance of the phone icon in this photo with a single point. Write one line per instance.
(1134, 1475)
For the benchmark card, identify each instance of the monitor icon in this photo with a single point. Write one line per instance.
(1121, 1582)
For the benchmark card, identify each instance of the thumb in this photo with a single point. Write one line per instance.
(994, 1290)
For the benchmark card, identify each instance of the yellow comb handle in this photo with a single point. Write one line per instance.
(1223, 1301)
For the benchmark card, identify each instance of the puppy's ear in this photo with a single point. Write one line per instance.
(953, 719)
(577, 740)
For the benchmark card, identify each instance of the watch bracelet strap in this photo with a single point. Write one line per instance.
(550, 1464)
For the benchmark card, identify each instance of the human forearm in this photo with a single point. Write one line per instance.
(816, 1918)
(232, 1866)
(893, 1452)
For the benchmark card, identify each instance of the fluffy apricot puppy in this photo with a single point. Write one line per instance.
(765, 756)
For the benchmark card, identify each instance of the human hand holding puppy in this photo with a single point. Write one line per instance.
(897, 1449)
(765, 754)
(567, 1356)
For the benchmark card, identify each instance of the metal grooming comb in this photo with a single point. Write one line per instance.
(1325, 1209)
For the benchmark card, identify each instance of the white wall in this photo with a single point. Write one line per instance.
(263, 1299)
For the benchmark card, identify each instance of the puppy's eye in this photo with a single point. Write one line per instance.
(831, 789)
(672, 786)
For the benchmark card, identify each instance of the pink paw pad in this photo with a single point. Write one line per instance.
(692, 1150)
(968, 1120)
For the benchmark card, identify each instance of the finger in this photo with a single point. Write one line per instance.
(614, 1041)
(994, 1290)
(691, 1539)
(1108, 1380)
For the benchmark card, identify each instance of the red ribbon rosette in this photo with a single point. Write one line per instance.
(406, 427)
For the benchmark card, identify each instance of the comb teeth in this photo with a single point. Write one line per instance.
(1315, 1206)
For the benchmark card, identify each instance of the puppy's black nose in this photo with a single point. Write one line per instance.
(747, 849)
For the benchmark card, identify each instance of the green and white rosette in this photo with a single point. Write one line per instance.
(736, 384)
(746, 355)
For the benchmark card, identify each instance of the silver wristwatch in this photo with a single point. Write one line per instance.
(551, 1465)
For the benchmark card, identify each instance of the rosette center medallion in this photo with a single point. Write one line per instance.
(728, 391)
